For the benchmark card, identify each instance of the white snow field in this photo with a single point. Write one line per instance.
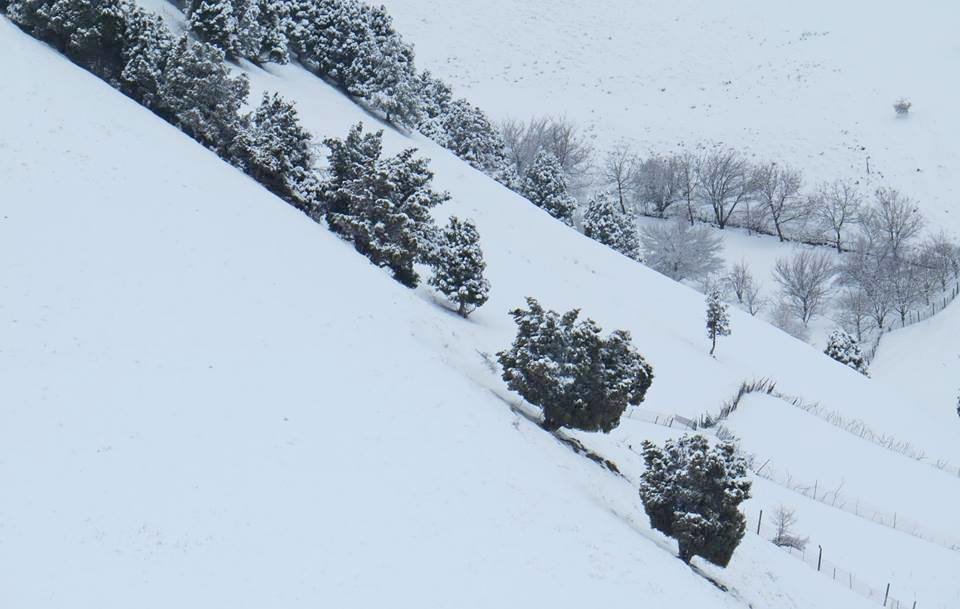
(209, 400)
(807, 83)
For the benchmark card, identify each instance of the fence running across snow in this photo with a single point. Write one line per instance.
(833, 498)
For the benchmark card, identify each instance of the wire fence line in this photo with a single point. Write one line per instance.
(937, 304)
(813, 556)
(827, 496)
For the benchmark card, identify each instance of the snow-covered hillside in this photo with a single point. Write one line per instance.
(811, 84)
(211, 400)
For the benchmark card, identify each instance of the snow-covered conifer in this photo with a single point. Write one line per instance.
(458, 266)
(604, 222)
(844, 348)
(381, 205)
(217, 23)
(201, 96)
(579, 379)
(718, 321)
(546, 187)
(273, 45)
(146, 49)
(273, 147)
(692, 492)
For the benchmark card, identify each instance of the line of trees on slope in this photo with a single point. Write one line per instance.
(379, 204)
(354, 46)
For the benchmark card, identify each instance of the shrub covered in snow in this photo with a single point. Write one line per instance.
(381, 205)
(580, 379)
(692, 492)
(458, 266)
(605, 222)
(844, 348)
(902, 107)
(545, 185)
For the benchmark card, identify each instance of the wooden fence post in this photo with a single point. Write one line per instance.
(819, 557)
(886, 595)
(759, 520)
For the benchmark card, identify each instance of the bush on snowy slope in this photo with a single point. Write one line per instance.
(458, 266)
(692, 492)
(251, 29)
(545, 185)
(604, 222)
(843, 348)
(381, 205)
(580, 379)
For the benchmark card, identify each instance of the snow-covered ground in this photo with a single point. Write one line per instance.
(210, 400)
(807, 83)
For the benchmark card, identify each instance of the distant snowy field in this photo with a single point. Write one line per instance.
(807, 83)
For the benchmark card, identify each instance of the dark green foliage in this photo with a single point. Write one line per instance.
(692, 492)
(356, 46)
(89, 32)
(458, 266)
(146, 50)
(381, 205)
(718, 320)
(844, 348)
(546, 187)
(580, 379)
(606, 223)
(200, 95)
(273, 147)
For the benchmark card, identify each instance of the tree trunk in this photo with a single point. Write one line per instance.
(713, 344)
(463, 309)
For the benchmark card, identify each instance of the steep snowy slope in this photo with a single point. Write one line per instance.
(210, 401)
(214, 401)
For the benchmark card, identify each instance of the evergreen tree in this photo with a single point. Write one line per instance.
(718, 321)
(435, 100)
(381, 205)
(383, 74)
(273, 45)
(273, 147)
(469, 134)
(89, 32)
(692, 493)
(200, 95)
(217, 23)
(145, 53)
(604, 222)
(458, 266)
(546, 187)
(579, 379)
(844, 348)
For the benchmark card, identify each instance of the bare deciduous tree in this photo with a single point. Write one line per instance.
(725, 181)
(853, 311)
(659, 183)
(559, 136)
(784, 519)
(680, 251)
(836, 206)
(745, 288)
(893, 221)
(805, 280)
(619, 173)
(686, 174)
(867, 268)
(778, 190)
